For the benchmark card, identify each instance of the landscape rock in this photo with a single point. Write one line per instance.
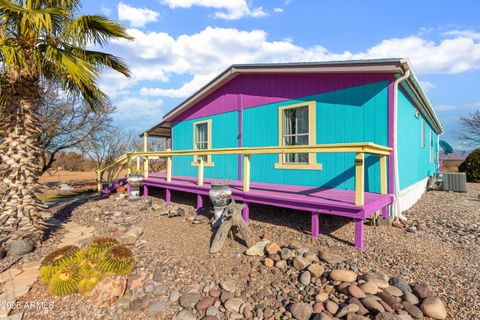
(369, 288)
(401, 284)
(20, 247)
(394, 291)
(412, 310)
(422, 290)
(356, 292)
(258, 249)
(189, 300)
(286, 253)
(228, 285)
(234, 304)
(174, 296)
(108, 291)
(410, 297)
(331, 307)
(272, 248)
(185, 315)
(157, 308)
(434, 308)
(372, 305)
(300, 263)
(301, 311)
(330, 258)
(204, 303)
(305, 278)
(386, 316)
(389, 299)
(377, 278)
(343, 275)
(350, 308)
(316, 270)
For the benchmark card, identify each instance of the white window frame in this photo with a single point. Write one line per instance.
(423, 133)
(312, 158)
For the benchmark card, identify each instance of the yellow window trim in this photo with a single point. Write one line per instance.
(312, 137)
(205, 164)
(209, 162)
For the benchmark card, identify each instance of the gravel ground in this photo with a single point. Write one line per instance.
(443, 251)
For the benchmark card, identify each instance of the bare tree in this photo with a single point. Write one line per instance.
(66, 121)
(470, 132)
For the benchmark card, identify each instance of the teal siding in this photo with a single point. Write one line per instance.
(224, 135)
(413, 160)
(357, 114)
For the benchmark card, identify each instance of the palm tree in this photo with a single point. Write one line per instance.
(42, 40)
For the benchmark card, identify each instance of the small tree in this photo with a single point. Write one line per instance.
(471, 166)
(66, 121)
(470, 132)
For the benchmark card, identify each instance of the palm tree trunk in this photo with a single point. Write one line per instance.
(22, 214)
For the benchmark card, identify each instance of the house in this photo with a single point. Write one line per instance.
(349, 107)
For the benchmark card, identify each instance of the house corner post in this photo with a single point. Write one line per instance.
(315, 224)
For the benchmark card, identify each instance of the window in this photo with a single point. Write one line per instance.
(297, 127)
(423, 133)
(202, 140)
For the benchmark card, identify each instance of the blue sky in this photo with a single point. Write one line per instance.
(181, 44)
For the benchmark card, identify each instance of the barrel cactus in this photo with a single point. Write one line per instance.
(118, 260)
(97, 248)
(65, 281)
(57, 259)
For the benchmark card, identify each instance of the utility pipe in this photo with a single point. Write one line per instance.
(396, 205)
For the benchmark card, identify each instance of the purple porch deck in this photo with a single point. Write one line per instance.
(317, 201)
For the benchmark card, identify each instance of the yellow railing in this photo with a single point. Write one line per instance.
(360, 149)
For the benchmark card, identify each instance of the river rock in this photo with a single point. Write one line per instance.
(372, 305)
(351, 308)
(343, 275)
(268, 262)
(412, 310)
(204, 303)
(300, 263)
(394, 291)
(356, 292)
(331, 307)
(378, 278)
(286, 253)
(369, 288)
(400, 284)
(305, 278)
(272, 248)
(295, 245)
(316, 270)
(410, 297)
(434, 308)
(361, 308)
(189, 300)
(422, 290)
(228, 285)
(174, 296)
(157, 308)
(185, 315)
(258, 249)
(234, 304)
(390, 300)
(301, 311)
(386, 316)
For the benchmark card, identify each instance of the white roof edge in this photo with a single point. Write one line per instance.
(413, 80)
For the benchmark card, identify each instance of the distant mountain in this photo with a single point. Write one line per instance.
(459, 154)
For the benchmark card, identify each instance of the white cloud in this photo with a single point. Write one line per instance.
(141, 109)
(157, 56)
(227, 9)
(138, 17)
(278, 10)
(427, 85)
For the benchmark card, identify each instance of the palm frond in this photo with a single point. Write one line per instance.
(103, 60)
(95, 29)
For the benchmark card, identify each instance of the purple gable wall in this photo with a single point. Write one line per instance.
(251, 90)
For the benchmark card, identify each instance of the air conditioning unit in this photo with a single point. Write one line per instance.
(452, 181)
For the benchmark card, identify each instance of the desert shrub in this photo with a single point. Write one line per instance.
(71, 269)
(471, 166)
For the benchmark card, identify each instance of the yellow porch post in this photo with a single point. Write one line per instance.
(359, 179)
(145, 158)
(383, 174)
(201, 166)
(169, 169)
(138, 164)
(246, 172)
